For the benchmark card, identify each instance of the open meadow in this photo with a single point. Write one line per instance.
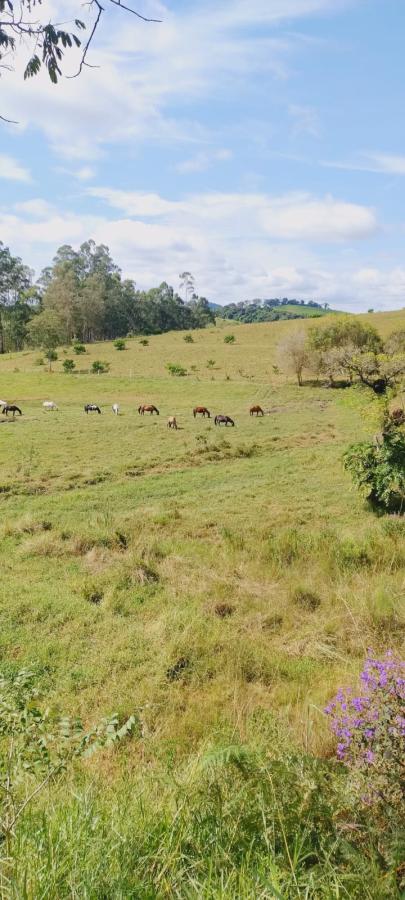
(219, 584)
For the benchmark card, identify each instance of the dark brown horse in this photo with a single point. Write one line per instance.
(201, 411)
(10, 407)
(256, 411)
(150, 408)
(223, 420)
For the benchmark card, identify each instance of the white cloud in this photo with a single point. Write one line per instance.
(380, 163)
(305, 120)
(11, 170)
(86, 173)
(202, 161)
(236, 245)
(205, 49)
(290, 217)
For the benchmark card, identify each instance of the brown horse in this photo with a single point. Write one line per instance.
(148, 408)
(256, 411)
(201, 411)
(172, 422)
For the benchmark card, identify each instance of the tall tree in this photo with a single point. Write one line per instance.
(15, 281)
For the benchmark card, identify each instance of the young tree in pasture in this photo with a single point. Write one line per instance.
(51, 356)
(294, 353)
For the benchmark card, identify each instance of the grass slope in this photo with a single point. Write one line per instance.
(217, 581)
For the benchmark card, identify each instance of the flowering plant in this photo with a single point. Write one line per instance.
(370, 727)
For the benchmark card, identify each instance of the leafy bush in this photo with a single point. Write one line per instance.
(36, 747)
(229, 339)
(379, 469)
(176, 369)
(144, 342)
(370, 728)
(79, 348)
(39, 361)
(210, 363)
(98, 367)
(188, 338)
(120, 344)
(68, 365)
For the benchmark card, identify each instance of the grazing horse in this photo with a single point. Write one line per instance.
(115, 408)
(223, 420)
(148, 408)
(201, 411)
(11, 408)
(49, 404)
(256, 411)
(172, 422)
(92, 407)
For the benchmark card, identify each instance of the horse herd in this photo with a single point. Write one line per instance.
(7, 408)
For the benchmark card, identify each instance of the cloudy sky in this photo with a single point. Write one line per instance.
(259, 144)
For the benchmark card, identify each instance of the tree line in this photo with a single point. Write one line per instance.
(272, 310)
(82, 296)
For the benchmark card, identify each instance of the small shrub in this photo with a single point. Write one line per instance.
(39, 361)
(379, 470)
(176, 369)
(68, 365)
(144, 342)
(188, 338)
(98, 367)
(370, 728)
(120, 344)
(79, 348)
(210, 363)
(229, 339)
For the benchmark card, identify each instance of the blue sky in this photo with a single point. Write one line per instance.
(256, 143)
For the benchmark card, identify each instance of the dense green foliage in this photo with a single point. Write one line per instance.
(378, 468)
(272, 310)
(83, 298)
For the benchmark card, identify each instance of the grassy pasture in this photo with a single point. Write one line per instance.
(221, 582)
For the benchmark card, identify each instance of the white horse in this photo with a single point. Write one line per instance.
(49, 404)
(115, 409)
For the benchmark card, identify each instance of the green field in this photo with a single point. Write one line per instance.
(244, 554)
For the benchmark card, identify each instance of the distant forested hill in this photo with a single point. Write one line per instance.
(272, 310)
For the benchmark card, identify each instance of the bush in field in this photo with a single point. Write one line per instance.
(39, 361)
(229, 339)
(99, 368)
(210, 363)
(378, 468)
(370, 728)
(79, 348)
(188, 338)
(120, 344)
(144, 342)
(36, 747)
(68, 365)
(176, 369)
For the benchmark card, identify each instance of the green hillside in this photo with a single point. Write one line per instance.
(219, 584)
